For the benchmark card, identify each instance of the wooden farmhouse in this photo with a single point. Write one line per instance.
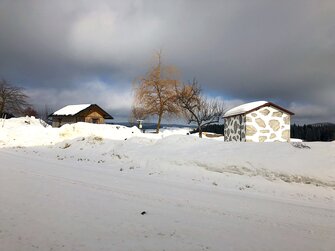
(259, 121)
(90, 113)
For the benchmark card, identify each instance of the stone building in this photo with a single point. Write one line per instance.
(259, 121)
(90, 113)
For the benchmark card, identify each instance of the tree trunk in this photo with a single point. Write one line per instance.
(159, 122)
(2, 106)
(200, 131)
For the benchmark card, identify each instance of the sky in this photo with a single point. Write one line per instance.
(71, 52)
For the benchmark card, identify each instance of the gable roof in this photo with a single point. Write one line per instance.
(252, 106)
(73, 110)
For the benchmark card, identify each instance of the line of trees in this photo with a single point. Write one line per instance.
(213, 128)
(316, 132)
(160, 93)
(313, 132)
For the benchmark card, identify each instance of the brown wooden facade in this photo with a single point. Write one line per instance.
(92, 114)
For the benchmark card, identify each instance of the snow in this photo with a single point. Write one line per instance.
(241, 109)
(84, 186)
(28, 131)
(71, 109)
(296, 140)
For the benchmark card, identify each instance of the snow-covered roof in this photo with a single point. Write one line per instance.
(241, 109)
(245, 108)
(71, 109)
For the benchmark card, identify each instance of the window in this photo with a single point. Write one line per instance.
(95, 121)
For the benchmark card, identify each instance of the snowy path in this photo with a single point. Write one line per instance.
(52, 205)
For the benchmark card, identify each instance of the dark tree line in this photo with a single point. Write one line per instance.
(214, 128)
(314, 132)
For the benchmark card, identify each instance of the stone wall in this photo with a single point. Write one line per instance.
(234, 128)
(267, 124)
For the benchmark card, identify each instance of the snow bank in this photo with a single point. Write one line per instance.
(26, 131)
(81, 129)
(30, 131)
(292, 140)
(312, 163)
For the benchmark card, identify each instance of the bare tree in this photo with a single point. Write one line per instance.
(138, 113)
(196, 108)
(12, 98)
(45, 112)
(155, 92)
(30, 111)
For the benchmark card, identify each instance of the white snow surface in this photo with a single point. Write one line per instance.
(241, 109)
(108, 187)
(71, 109)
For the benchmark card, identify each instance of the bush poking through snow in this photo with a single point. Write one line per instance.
(99, 139)
(300, 145)
(67, 145)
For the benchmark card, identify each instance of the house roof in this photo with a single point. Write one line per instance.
(252, 106)
(72, 110)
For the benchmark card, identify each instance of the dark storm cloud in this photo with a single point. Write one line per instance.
(282, 51)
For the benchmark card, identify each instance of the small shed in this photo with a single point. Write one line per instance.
(259, 121)
(90, 113)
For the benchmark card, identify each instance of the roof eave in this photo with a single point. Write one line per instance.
(258, 107)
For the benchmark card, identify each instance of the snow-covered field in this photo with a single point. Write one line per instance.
(109, 187)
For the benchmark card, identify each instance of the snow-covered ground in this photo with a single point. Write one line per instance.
(109, 187)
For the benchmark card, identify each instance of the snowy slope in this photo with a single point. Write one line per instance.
(173, 148)
(85, 187)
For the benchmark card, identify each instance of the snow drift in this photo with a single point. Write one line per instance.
(109, 187)
(312, 163)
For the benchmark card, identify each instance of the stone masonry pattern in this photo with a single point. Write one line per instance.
(267, 124)
(234, 128)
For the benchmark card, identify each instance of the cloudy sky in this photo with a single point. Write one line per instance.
(68, 52)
